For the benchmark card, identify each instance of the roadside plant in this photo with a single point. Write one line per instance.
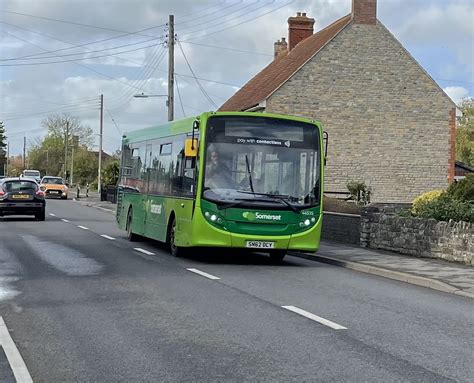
(444, 208)
(423, 199)
(359, 191)
(463, 190)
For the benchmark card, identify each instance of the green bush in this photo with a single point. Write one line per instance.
(359, 191)
(423, 199)
(445, 207)
(463, 190)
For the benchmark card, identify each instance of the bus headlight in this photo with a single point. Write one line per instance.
(213, 217)
(307, 222)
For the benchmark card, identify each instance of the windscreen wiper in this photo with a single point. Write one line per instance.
(275, 197)
(250, 173)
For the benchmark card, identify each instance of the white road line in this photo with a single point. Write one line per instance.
(143, 251)
(52, 215)
(323, 321)
(83, 227)
(17, 363)
(203, 274)
(107, 237)
(64, 220)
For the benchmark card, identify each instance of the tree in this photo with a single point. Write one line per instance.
(47, 155)
(3, 145)
(465, 133)
(110, 173)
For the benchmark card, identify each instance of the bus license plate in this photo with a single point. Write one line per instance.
(260, 244)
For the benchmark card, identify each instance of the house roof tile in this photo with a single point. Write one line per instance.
(282, 68)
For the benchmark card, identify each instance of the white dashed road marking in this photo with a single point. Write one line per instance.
(65, 220)
(311, 316)
(203, 274)
(17, 363)
(107, 237)
(143, 251)
(83, 227)
(52, 215)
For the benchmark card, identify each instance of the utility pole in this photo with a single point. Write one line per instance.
(24, 152)
(99, 178)
(66, 139)
(8, 158)
(171, 68)
(75, 144)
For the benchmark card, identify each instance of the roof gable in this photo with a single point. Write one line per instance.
(282, 68)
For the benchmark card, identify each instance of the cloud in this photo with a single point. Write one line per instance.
(457, 93)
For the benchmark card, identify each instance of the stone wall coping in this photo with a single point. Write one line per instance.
(341, 214)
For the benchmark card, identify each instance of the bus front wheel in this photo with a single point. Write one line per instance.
(176, 251)
(130, 234)
(277, 256)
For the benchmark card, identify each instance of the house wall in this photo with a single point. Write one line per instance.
(388, 122)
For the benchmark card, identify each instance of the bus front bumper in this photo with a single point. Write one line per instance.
(206, 235)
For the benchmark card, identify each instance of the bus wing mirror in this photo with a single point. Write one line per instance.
(191, 147)
(326, 140)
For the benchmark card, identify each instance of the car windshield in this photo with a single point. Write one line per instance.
(12, 186)
(53, 181)
(262, 159)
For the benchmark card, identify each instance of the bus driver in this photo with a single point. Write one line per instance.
(218, 175)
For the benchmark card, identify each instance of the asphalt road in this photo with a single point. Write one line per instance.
(82, 304)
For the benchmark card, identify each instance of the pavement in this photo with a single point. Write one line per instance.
(431, 273)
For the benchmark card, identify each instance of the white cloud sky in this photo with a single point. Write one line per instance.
(457, 93)
(438, 33)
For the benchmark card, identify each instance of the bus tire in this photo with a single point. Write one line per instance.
(132, 237)
(276, 256)
(175, 251)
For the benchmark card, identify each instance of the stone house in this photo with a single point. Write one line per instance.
(389, 123)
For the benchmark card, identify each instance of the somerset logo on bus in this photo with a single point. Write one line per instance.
(253, 216)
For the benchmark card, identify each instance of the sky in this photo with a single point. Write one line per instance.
(59, 56)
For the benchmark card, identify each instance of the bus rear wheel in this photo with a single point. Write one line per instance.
(132, 237)
(175, 251)
(277, 256)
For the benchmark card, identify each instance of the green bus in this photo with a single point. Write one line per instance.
(225, 179)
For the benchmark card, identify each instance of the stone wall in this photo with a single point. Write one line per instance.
(388, 121)
(341, 227)
(382, 228)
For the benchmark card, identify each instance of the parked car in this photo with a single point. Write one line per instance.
(54, 187)
(22, 197)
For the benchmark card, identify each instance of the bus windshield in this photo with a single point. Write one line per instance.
(261, 160)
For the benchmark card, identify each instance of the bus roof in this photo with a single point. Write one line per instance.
(184, 125)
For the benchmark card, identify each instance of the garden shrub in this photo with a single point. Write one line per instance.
(463, 190)
(420, 201)
(445, 207)
(359, 191)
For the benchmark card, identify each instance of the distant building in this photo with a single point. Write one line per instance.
(462, 170)
(389, 123)
(105, 156)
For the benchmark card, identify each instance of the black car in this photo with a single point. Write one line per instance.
(21, 197)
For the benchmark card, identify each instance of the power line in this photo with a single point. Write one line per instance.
(179, 96)
(228, 49)
(83, 58)
(243, 22)
(73, 23)
(78, 46)
(82, 65)
(194, 86)
(66, 42)
(194, 75)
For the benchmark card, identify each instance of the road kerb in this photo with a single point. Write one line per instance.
(386, 273)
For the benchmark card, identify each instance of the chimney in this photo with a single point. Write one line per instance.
(281, 47)
(300, 27)
(364, 11)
